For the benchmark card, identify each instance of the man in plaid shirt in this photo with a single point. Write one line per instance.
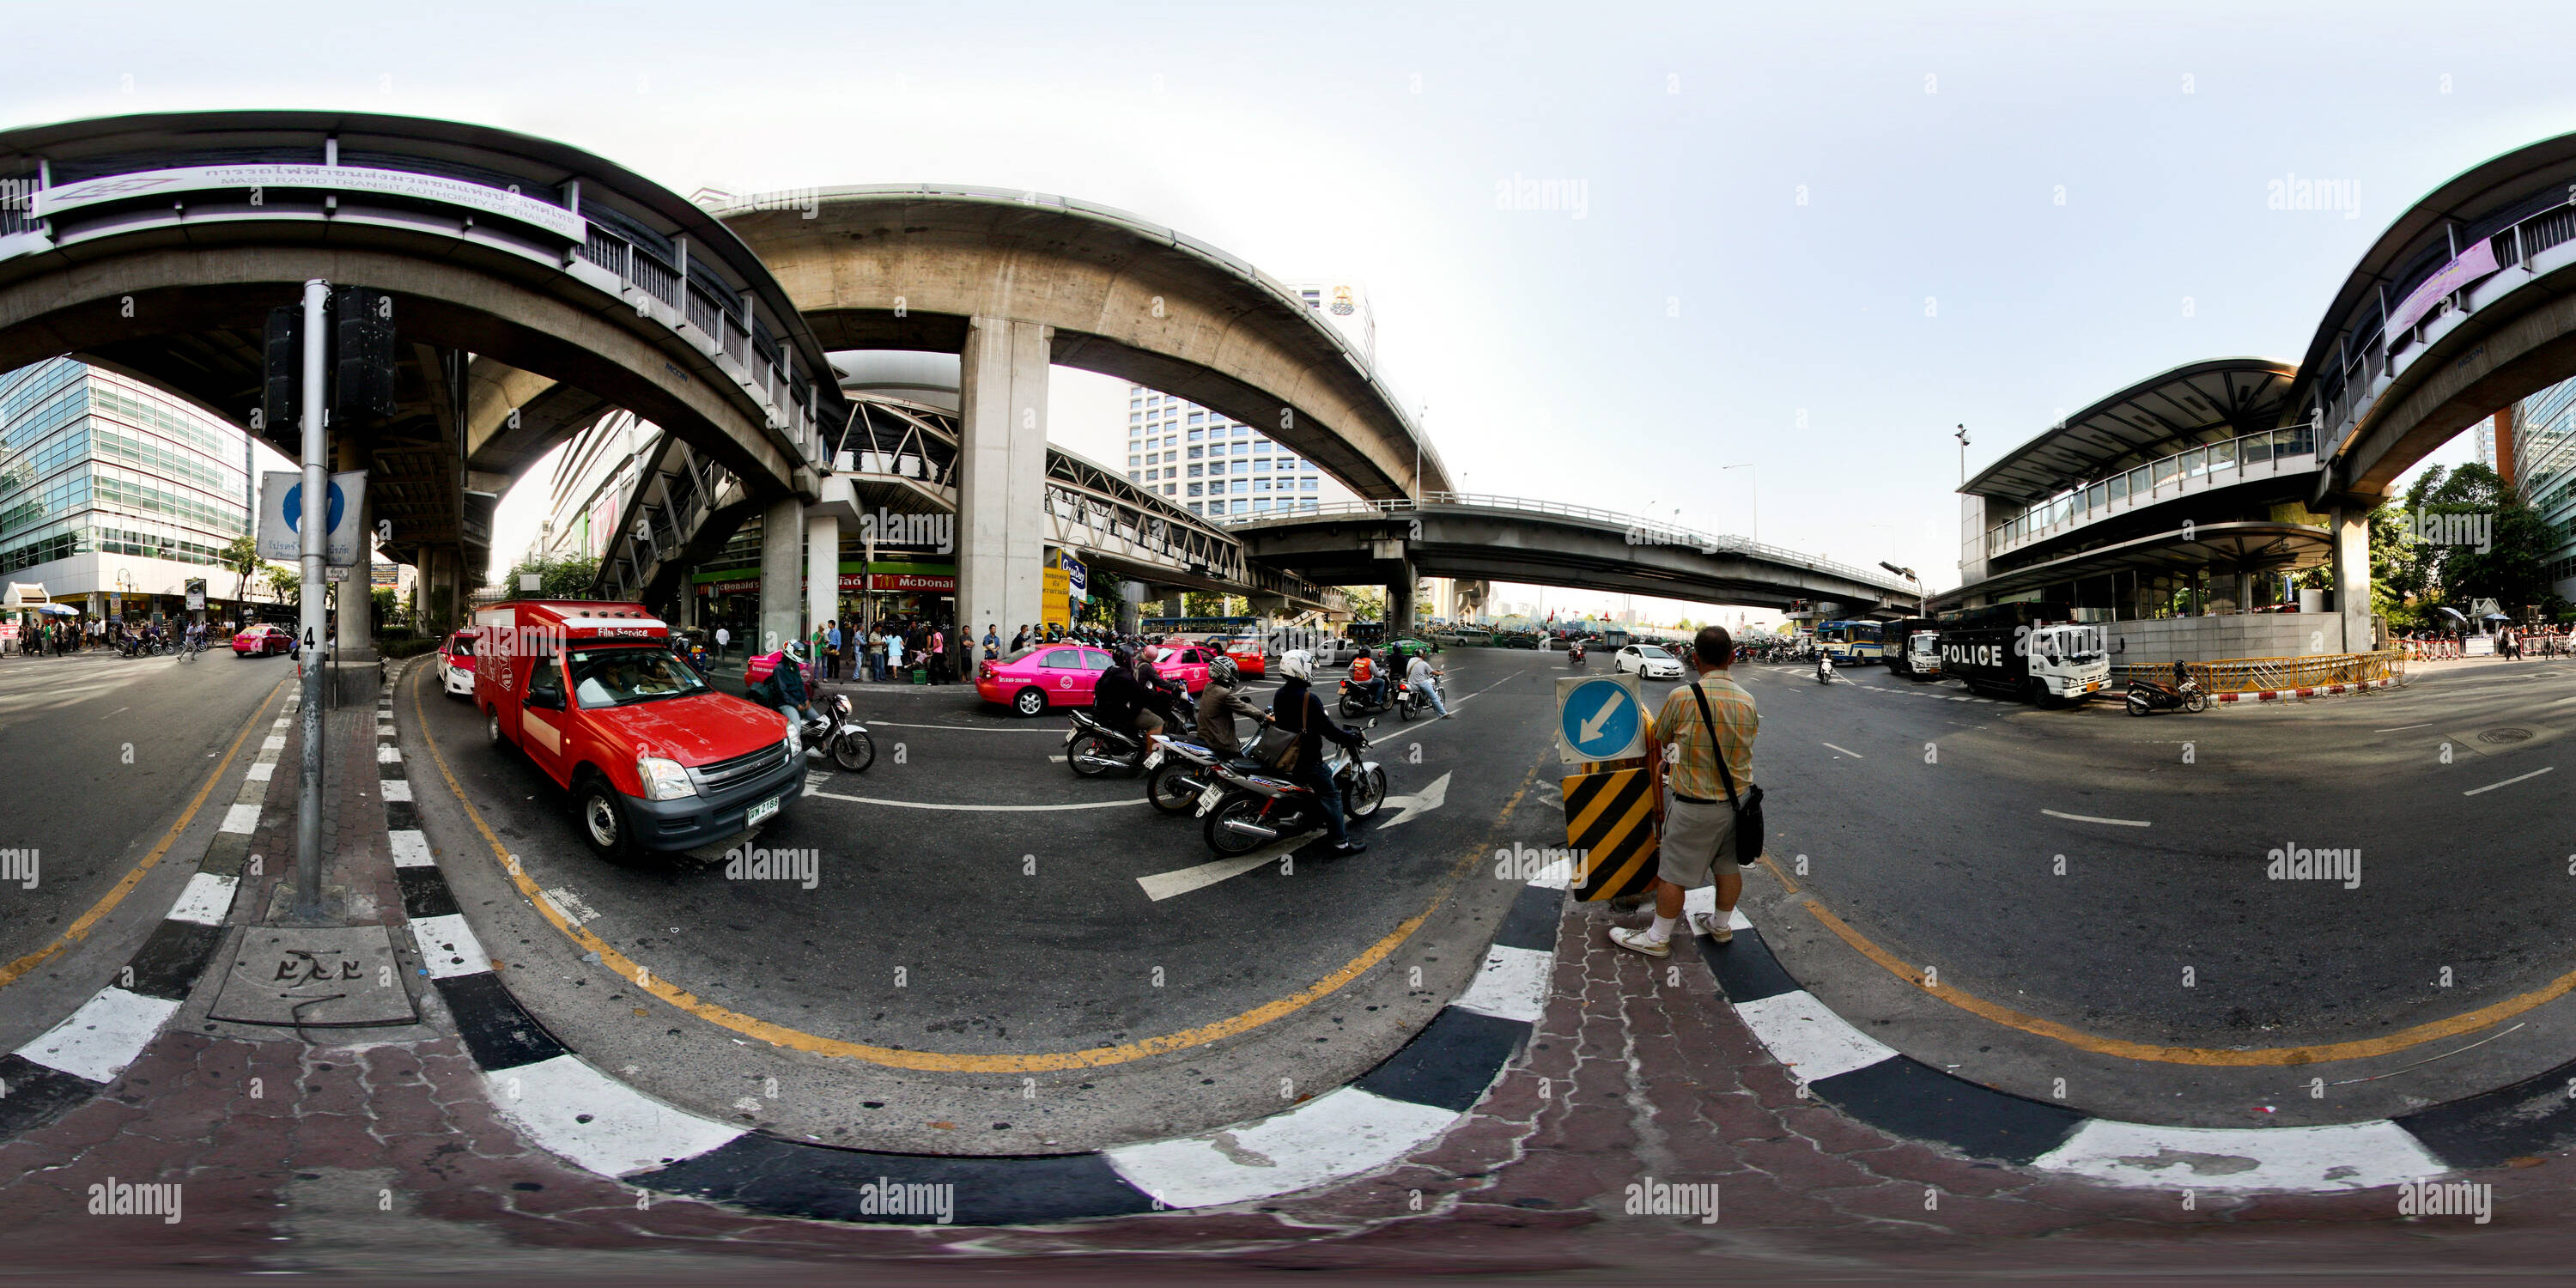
(1698, 845)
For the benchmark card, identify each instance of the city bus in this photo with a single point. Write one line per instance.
(1849, 643)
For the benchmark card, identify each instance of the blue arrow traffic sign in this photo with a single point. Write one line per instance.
(1601, 720)
(295, 508)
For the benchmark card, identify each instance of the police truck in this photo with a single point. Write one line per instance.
(2027, 650)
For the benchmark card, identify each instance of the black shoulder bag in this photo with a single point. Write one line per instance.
(1748, 810)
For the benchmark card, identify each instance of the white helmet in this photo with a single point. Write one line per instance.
(1297, 664)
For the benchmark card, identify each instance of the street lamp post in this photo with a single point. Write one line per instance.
(1963, 455)
(1753, 489)
(1922, 603)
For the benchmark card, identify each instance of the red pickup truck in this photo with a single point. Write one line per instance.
(655, 757)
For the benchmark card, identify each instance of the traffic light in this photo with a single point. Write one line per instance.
(362, 356)
(281, 399)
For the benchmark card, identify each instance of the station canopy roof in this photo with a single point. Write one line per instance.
(2175, 411)
(2226, 547)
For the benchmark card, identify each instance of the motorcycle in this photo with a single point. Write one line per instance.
(1092, 748)
(1824, 669)
(1247, 808)
(1574, 656)
(1399, 699)
(1177, 770)
(835, 733)
(2145, 697)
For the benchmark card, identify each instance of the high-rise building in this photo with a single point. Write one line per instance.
(114, 495)
(1215, 466)
(1344, 305)
(2543, 459)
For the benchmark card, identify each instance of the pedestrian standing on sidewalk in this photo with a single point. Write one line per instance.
(992, 643)
(724, 640)
(1698, 846)
(938, 647)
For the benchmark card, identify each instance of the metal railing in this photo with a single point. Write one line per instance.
(2261, 674)
(734, 333)
(2151, 482)
(1639, 531)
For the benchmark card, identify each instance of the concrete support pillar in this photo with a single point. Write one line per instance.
(2352, 575)
(1001, 473)
(782, 574)
(1172, 602)
(1131, 607)
(822, 568)
(2244, 591)
(1399, 603)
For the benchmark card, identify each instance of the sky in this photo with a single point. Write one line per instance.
(1612, 250)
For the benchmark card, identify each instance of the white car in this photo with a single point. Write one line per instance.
(1648, 660)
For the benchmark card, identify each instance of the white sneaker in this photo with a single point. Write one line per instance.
(1711, 925)
(1636, 941)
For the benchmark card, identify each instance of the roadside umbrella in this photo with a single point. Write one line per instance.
(2495, 617)
(2455, 614)
(57, 610)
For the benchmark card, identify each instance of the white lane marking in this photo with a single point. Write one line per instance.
(579, 1114)
(263, 771)
(272, 742)
(2087, 818)
(2510, 781)
(1428, 799)
(568, 905)
(897, 724)
(206, 900)
(122, 710)
(240, 818)
(106, 1034)
(2426, 725)
(1513, 985)
(2345, 1156)
(395, 789)
(1805, 1035)
(974, 809)
(1164, 885)
(448, 947)
(1848, 752)
(1337, 1134)
(411, 849)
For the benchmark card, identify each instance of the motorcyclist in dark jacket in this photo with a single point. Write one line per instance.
(1297, 707)
(1119, 699)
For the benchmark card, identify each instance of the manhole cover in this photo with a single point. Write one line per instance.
(2505, 735)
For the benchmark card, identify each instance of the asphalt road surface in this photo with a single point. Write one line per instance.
(98, 756)
(1935, 824)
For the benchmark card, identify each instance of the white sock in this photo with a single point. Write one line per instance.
(1662, 929)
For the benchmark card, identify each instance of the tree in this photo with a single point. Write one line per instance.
(285, 584)
(1368, 603)
(240, 557)
(558, 578)
(1202, 603)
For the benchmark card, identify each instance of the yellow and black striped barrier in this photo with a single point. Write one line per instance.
(1610, 826)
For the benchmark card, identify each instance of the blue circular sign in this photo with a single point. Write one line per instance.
(295, 508)
(1601, 719)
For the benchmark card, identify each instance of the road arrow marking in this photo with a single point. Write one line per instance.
(1164, 885)
(1431, 798)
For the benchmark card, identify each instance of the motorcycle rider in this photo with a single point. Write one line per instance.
(1372, 686)
(1119, 699)
(794, 702)
(1219, 703)
(1824, 668)
(1426, 683)
(1297, 708)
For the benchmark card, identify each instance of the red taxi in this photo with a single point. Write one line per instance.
(1187, 663)
(654, 757)
(262, 640)
(1246, 652)
(456, 663)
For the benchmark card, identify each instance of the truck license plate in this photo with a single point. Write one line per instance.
(2094, 687)
(761, 812)
(1154, 758)
(1209, 798)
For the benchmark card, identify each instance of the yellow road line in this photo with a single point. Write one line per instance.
(79, 930)
(2226, 1057)
(941, 1061)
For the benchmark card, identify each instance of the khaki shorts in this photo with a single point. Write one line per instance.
(1696, 839)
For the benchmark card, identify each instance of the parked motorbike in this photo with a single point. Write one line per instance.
(1247, 808)
(2145, 698)
(1400, 699)
(835, 734)
(1092, 748)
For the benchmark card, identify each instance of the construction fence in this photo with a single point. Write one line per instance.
(2265, 674)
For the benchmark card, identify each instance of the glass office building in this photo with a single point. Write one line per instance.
(113, 495)
(1214, 466)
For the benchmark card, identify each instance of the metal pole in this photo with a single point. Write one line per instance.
(313, 532)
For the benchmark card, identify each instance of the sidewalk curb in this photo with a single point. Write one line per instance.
(2310, 691)
(561, 1103)
(1875, 1084)
(78, 1059)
